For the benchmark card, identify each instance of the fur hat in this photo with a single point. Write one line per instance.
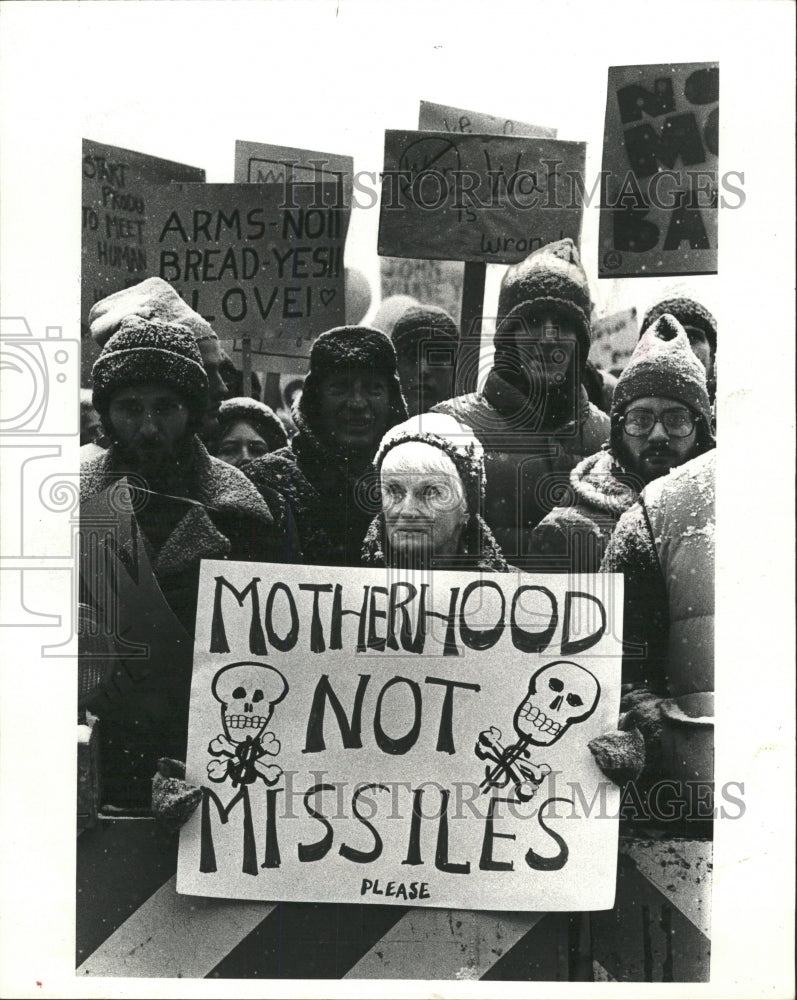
(340, 350)
(150, 299)
(663, 364)
(452, 438)
(431, 322)
(259, 416)
(150, 351)
(550, 279)
(688, 312)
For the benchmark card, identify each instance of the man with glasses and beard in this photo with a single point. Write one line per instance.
(661, 418)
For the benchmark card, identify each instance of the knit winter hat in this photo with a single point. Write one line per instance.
(550, 279)
(150, 299)
(663, 365)
(429, 322)
(340, 350)
(454, 439)
(259, 416)
(688, 312)
(150, 351)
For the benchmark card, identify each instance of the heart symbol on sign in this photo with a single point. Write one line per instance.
(327, 295)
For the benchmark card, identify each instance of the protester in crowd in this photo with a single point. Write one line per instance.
(700, 326)
(156, 299)
(351, 397)
(391, 310)
(247, 429)
(661, 418)
(234, 380)
(599, 385)
(431, 473)
(90, 426)
(533, 416)
(426, 340)
(664, 546)
(181, 506)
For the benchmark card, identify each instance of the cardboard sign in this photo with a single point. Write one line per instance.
(255, 264)
(261, 163)
(432, 282)
(614, 339)
(443, 118)
(491, 199)
(659, 190)
(361, 736)
(117, 190)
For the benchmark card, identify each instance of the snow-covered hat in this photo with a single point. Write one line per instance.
(454, 439)
(663, 364)
(150, 299)
(259, 416)
(430, 322)
(150, 351)
(340, 350)
(688, 312)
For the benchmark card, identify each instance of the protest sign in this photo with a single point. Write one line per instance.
(363, 736)
(263, 163)
(117, 188)
(443, 118)
(483, 198)
(431, 282)
(614, 339)
(659, 192)
(256, 260)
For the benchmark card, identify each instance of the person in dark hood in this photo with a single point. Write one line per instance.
(351, 397)
(156, 504)
(426, 340)
(700, 327)
(431, 473)
(661, 418)
(247, 429)
(533, 416)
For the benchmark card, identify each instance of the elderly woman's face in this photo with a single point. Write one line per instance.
(423, 501)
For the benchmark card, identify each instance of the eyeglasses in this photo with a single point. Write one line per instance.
(677, 423)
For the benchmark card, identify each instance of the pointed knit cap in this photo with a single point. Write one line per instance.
(688, 312)
(663, 364)
(150, 299)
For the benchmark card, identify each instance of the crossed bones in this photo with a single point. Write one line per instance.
(510, 765)
(243, 762)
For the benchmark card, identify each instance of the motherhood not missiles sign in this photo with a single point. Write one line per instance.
(360, 736)
(263, 261)
(659, 185)
(489, 198)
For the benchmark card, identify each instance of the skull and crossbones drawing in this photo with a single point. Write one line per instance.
(560, 695)
(247, 693)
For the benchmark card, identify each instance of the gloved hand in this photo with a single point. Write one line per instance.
(173, 798)
(634, 749)
(150, 299)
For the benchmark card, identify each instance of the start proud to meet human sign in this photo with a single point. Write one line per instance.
(367, 735)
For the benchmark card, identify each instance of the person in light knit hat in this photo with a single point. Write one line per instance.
(431, 472)
(533, 416)
(426, 340)
(661, 418)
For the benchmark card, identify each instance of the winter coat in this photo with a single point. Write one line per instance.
(574, 538)
(142, 702)
(478, 548)
(525, 467)
(331, 503)
(665, 547)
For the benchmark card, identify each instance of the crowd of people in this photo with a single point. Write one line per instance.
(549, 467)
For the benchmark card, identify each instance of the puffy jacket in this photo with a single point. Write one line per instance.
(525, 468)
(573, 538)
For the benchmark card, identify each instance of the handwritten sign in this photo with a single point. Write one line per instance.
(443, 118)
(262, 163)
(432, 282)
(492, 199)
(255, 262)
(614, 339)
(361, 736)
(117, 190)
(660, 147)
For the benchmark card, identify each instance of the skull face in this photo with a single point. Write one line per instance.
(560, 695)
(248, 693)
